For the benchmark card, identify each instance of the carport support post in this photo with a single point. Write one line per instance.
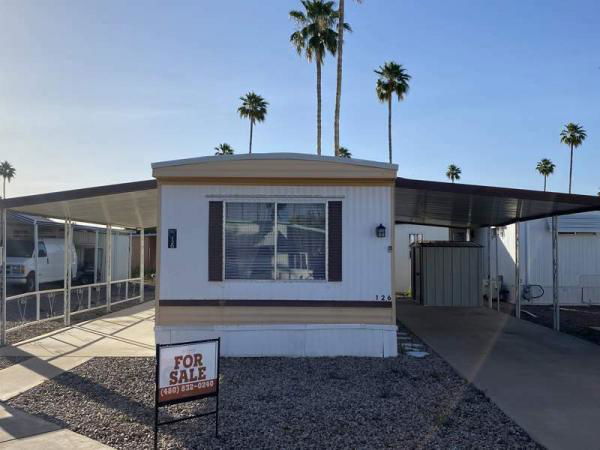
(142, 256)
(489, 267)
(3, 299)
(67, 273)
(96, 258)
(108, 266)
(555, 300)
(36, 254)
(496, 235)
(517, 272)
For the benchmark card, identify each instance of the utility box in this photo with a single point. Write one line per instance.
(446, 273)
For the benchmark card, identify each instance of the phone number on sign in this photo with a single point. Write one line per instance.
(187, 387)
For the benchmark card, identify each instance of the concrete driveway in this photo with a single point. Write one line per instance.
(548, 382)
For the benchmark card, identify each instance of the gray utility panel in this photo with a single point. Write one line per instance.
(446, 273)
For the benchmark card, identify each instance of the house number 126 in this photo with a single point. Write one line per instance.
(384, 298)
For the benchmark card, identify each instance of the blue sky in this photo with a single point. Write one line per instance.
(92, 92)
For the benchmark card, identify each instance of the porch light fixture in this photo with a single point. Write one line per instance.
(380, 231)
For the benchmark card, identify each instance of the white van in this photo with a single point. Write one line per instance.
(20, 262)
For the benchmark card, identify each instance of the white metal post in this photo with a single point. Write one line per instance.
(129, 255)
(142, 257)
(96, 258)
(108, 257)
(497, 235)
(36, 255)
(3, 300)
(66, 273)
(555, 299)
(517, 271)
(489, 267)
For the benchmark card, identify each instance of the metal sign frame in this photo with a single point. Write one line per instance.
(158, 403)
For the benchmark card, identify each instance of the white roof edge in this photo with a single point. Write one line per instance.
(271, 156)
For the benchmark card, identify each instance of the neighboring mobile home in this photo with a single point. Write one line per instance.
(579, 252)
(279, 254)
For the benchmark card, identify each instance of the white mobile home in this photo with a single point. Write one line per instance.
(578, 249)
(279, 254)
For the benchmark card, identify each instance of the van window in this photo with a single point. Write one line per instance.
(42, 250)
(19, 249)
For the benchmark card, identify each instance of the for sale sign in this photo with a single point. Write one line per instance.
(187, 371)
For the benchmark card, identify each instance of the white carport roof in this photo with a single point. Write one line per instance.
(131, 205)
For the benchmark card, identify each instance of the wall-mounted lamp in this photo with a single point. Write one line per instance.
(380, 231)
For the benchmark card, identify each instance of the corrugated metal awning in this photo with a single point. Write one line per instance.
(472, 206)
(135, 205)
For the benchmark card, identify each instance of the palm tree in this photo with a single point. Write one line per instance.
(338, 89)
(393, 79)
(572, 135)
(343, 152)
(316, 36)
(7, 172)
(223, 149)
(545, 167)
(254, 107)
(453, 172)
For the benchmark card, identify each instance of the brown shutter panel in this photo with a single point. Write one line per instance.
(215, 241)
(334, 236)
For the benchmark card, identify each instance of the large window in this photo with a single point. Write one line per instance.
(268, 241)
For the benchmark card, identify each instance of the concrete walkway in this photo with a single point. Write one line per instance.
(548, 382)
(129, 332)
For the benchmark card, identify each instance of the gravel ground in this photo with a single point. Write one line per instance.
(7, 361)
(574, 320)
(284, 403)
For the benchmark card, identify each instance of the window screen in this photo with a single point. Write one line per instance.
(249, 241)
(301, 241)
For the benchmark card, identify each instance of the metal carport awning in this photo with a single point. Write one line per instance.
(130, 205)
(472, 206)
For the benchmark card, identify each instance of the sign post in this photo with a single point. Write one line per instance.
(184, 372)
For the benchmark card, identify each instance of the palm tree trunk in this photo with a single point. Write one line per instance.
(3, 187)
(545, 176)
(338, 90)
(318, 106)
(251, 124)
(571, 169)
(390, 127)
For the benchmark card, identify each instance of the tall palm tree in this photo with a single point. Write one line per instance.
(315, 37)
(7, 172)
(572, 135)
(453, 172)
(254, 108)
(223, 149)
(393, 79)
(338, 89)
(546, 168)
(343, 152)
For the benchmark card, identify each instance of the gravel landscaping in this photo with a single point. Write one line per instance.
(283, 403)
(575, 320)
(7, 361)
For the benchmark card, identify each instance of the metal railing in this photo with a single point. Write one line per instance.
(41, 306)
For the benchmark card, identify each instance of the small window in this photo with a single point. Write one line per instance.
(42, 253)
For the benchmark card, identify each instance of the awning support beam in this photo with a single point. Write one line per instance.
(3, 280)
(108, 265)
(517, 271)
(555, 280)
(142, 257)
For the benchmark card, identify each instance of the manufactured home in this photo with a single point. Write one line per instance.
(294, 254)
(277, 254)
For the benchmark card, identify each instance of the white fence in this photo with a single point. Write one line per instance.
(35, 307)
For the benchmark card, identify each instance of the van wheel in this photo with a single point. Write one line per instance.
(30, 284)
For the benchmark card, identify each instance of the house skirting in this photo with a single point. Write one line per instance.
(296, 340)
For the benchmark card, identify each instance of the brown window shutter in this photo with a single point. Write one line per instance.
(334, 237)
(215, 241)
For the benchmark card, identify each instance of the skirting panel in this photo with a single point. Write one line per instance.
(290, 340)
